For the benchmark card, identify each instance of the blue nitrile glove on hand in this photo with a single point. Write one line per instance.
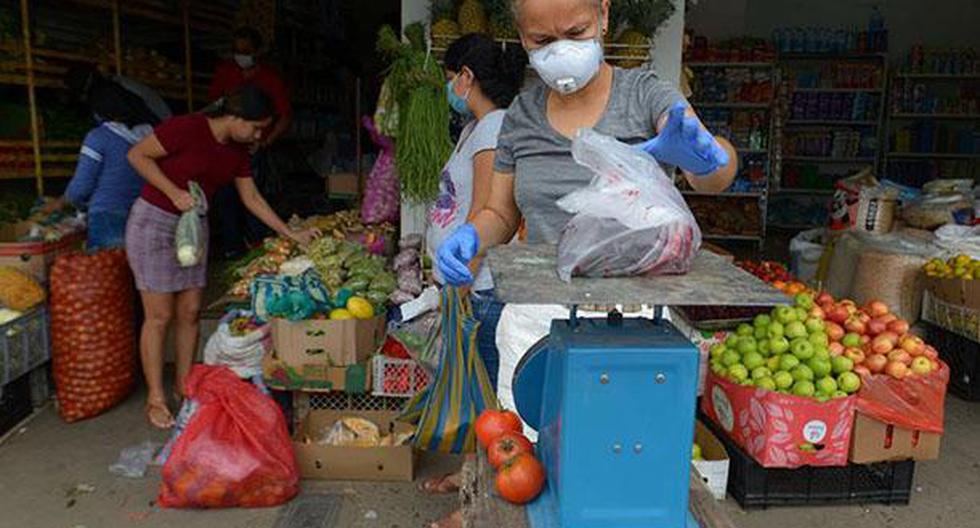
(455, 254)
(686, 144)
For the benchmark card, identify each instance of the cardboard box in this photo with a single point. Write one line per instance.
(781, 430)
(960, 292)
(957, 318)
(876, 441)
(327, 343)
(343, 185)
(713, 469)
(354, 379)
(352, 463)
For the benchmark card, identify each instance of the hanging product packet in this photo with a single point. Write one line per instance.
(631, 220)
(189, 238)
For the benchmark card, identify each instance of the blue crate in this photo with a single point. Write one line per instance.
(24, 344)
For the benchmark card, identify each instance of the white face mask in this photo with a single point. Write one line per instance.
(244, 61)
(566, 66)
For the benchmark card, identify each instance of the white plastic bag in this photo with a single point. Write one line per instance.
(805, 249)
(242, 354)
(631, 220)
(189, 238)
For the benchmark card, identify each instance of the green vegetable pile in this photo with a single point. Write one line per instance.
(348, 266)
(417, 86)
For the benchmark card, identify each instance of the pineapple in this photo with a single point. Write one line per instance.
(643, 18)
(444, 27)
(472, 17)
(501, 16)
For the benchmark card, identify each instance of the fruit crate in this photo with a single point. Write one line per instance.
(398, 377)
(15, 403)
(963, 357)
(755, 487)
(24, 344)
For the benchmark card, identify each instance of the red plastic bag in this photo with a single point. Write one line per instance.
(235, 452)
(93, 332)
(915, 402)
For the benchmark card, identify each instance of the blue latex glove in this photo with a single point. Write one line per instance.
(686, 144)
(455, 254)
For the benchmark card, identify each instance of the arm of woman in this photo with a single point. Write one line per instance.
(482, 181)
(143, 158)
(256, 204)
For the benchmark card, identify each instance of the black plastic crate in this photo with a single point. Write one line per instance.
(755, 487)
(15, 403)
(963, 357)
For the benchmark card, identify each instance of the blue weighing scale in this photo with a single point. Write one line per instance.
(613, 399)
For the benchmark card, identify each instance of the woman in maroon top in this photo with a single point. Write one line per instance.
(212, 149)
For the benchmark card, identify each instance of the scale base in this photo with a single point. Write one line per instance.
(543, 513)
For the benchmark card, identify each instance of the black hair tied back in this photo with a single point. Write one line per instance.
(248, 102)
(499, 68)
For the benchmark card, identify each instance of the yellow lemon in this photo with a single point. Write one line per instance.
(360, 308)
(340, 314)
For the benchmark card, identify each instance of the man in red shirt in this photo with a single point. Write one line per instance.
(237, 226)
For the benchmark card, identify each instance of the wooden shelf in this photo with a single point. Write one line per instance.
(828, 160)
(761, 106)
(28, 174)
(968, 117)
(932, 155)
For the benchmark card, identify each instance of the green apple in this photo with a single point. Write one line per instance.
(778, 345)
(783, 380)
(717, 350)
(762, 320)
(802, 373)
(804, 300)
(827, 385)
(761, 372)
(819, 339)
(738, 372)
(784, 314)
(776, 329)
(730, 357)
(761, 332)
(849, 382)
(753, 360)
(722, 370)
(851, 340)
(821, 367)
(814, 325)
(763, 346)
(744, 330)
(731, 341)
(801, 348)
(788, 361)
(804, 388)
(795, 329)
(821, 397)
(841, 364)
(746, 344)
(773, 362)
(765, 383)
(696, 452)
(839, 394)
(801, 314)
(747, 382)
(821, 353)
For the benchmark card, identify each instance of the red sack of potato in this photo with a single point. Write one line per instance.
(235, 451)
(93, 332)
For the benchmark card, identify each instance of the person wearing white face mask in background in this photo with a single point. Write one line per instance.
(534, 166)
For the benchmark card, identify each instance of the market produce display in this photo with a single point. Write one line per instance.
(354, 431)
(958, 267)
(93, 334)
(18, 291)
(775, 274)
(408, 266)
(347, 266)
(348, 225)
(520, 476)
(263, 260)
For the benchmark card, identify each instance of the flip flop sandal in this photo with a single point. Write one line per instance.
(159, 407)
(439, 486)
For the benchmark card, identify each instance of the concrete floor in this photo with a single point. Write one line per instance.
(42, 465)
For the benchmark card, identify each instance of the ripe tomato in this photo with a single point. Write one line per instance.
(493, 423)
(508, 446)
(521, 479)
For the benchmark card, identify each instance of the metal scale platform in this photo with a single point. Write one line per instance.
(613, 399)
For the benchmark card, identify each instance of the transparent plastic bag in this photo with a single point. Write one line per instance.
(189, 239)
(133, 460)
(631, 220)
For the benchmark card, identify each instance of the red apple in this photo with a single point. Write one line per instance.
(847, 303)
(854, 324)
(930, 352)
(862, 371)
(900, 356)
(913, 345)
(817, 312)
(837, 314)
(824, 298)
(834, 331)
(897, 369)
(881, 345)
(835, 348)
(865, 339)
(888, 318)
(892, 336)
(865, 318)
(899, 326)
(855, 355)
(876, 326)
(876, 363)
(877, 308)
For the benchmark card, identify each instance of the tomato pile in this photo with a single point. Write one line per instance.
(520, 476)
(775, 274)
(93, 333)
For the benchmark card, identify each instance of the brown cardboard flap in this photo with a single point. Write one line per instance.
(711, 447)
(326, 342)
(352, 463)
(876, 441)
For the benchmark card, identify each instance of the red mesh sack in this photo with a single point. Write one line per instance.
(914, 402)
(93, 332)
(235, 452)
